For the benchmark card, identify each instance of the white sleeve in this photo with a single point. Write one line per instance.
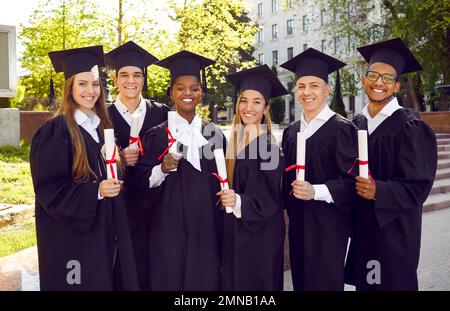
(99, 197)
(237, 208)
(321, 193)
(157, 177)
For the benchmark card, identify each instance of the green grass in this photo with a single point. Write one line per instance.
(16, 186)
(18, 236)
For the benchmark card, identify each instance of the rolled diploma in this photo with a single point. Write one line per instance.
(134, 129)
(171, 124)
(222, 171)
(109, 146)
(301, 152)
(363, 154)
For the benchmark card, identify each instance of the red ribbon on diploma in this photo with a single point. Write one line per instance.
(111, 162)
(222, 181)
(360, 162)
(138, 140)
(290, 168)
(171, 142)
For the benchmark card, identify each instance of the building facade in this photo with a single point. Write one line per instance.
(288, 27)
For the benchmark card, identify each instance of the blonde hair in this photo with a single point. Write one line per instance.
(81, 171)
(236, 138)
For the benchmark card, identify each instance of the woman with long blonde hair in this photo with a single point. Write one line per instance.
(81, 223)
(254, 232)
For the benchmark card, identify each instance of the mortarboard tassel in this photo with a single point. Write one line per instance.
(205, 89)
(52, 103)
(145, 83)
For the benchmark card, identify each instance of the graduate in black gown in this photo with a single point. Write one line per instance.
(185, 228)
(254, 231)
(81, 221)
(384, 253)
(130, 63)
(319, 207)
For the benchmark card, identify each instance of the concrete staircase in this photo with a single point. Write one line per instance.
(440, 193)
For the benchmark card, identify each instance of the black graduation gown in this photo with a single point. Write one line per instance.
(318, 231)
(402, 161)
(185, 225)
(138, 214)
(71, 223)
(253, 244)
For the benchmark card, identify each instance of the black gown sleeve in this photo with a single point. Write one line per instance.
(416, 170)
(73, 203)
(342, 186)
(262, 197)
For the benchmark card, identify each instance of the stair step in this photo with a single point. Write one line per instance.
(443, 148)
(444, 155)
(443, 173)
(436, 201)
(441, 186)
(443, 141)
(443, 164)
(443, 135)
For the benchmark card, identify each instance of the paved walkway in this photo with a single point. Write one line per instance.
(20, 272)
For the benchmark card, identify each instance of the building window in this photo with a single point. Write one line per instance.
(261, 59)
(323, 46)
(290, 27)
(260, 10)
(274, 6)
(305, 46)
(275, 58)
(289, 4)
(290, 53)
(260, 36)
(337, 45)
(274, 31)
(322, 17)
(305, 23)
(351, 9)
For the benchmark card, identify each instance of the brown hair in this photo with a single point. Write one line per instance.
(80, 165)
(236, 138)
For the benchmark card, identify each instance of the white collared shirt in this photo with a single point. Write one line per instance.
(126, 114)
(383, 114)
(190, 135)
(88, 122)
(321, 191)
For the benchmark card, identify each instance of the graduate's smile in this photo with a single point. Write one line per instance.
(130, 82)
(86, 89)
(251, 107)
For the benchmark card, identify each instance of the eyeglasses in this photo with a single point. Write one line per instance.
(387, 78)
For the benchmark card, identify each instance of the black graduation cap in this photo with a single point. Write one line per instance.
(393, 52)
(78, 60)
(129, 54)
(312, 62)
(185, 63)
(260, 79)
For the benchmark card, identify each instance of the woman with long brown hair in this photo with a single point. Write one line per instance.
(254, 233)
(81, 222)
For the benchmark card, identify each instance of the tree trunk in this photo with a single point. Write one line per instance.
(119, 24)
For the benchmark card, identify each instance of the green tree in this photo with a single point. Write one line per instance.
(220, 30)
(55, 25)
(423, 24)
(277, 109)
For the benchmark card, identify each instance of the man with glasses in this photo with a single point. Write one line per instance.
(384, 253)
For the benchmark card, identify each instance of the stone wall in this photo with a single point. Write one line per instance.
(9, 126)
(439, 121)
(31, 121)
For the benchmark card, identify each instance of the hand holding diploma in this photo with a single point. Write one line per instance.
(130, 155)
(110, 188)
(302, 190)
(230, 196)
(170, 162)
(365, 187)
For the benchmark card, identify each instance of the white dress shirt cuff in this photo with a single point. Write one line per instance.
(237, 208)
(157, 177)
(321, 193)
